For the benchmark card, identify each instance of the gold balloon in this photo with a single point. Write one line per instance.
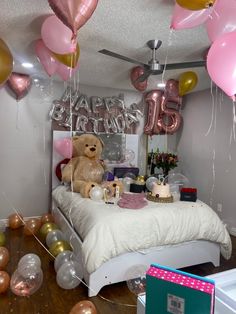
(187, 82)
(69, 59)
(15, 221)
(46, 228)
(195, 5)
(2, 239)
(4, 257)
(6, 62)
(59, 247)
(84, 307)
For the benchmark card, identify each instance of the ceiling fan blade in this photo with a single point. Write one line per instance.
(143, 77)
(183, 65)
(118, 56)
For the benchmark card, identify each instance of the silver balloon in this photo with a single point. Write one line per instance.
(109, 102)
(96, 193)
(66, 95)
(110, 125)
(81, 123)
(68, 119)
(96, 103)
(95, 122)
(53, 236)
(69, 275)
(120, 123)
(57, 111)
(83, 103)
(130, 118)
(28, 270)
(31, 259)
(149, 183)
(62, 258)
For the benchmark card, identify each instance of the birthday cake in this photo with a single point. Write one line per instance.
(161, 190)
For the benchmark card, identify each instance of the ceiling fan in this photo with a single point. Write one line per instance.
(153, 67)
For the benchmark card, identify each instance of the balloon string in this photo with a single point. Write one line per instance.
(167, 54)
(17, 115)
(234, 119)
(74, 275)
(22, 220)
(216, 98)
(213, 177)
(212, 110)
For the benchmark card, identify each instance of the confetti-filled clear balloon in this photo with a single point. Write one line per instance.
(31, 259)
(26, 286)
(96, 193)
(176, 181)
(54, 236)
(129, 155)
(63, 258)
(137, 283)
(69, 275)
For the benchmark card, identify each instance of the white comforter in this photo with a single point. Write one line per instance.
(108, 230)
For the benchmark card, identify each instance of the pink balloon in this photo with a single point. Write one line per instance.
(57, 37)
(221, 63)
(46, 59)
(136, 72)
(183, 18)
(64, 147)
(222, 20)
(73, 13)
(19, 84)
(66, 72)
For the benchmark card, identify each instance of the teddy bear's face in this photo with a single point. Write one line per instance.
(87, 145)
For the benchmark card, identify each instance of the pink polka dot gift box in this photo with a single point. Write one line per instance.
(173, 291)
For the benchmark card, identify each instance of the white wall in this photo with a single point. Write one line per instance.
(208, 159)
(25, 155)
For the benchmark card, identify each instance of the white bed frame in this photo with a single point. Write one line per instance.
(115, 270)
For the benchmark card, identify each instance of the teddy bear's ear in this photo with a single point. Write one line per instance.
(101, 141)
(75, 138)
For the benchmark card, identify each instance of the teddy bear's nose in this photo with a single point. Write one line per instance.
(92, 149)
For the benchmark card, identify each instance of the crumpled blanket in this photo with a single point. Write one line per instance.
(132, 201)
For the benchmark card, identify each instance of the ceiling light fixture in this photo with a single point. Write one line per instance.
(27, 65)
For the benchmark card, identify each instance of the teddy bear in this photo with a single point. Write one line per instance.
(85, 169)
(114, 188)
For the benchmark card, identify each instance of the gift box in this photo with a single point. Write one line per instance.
(188, 194)
(173, 291)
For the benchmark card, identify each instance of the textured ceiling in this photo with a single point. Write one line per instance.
(123, 26)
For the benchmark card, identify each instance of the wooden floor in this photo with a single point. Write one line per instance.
(51, 299)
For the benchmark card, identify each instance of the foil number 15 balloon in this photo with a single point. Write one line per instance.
(160, 118)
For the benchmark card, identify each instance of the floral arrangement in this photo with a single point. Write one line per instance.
(165, 161)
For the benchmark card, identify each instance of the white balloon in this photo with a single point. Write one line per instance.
(31, 259)
(69, 275)
(96, 193)
(149, 183)
(63, 258)
(53, 236)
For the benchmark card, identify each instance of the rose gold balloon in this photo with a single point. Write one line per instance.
(19, 84)
(15, 221)
(73, 13)
(47, 218)
(84, 307)
(32, 226)
(136, 72)
(4, 281)
(4, 257)
(153, 100)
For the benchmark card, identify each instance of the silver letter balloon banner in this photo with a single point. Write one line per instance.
(162, 119)
(78, 112)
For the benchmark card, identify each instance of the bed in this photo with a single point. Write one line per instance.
(109, 240)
